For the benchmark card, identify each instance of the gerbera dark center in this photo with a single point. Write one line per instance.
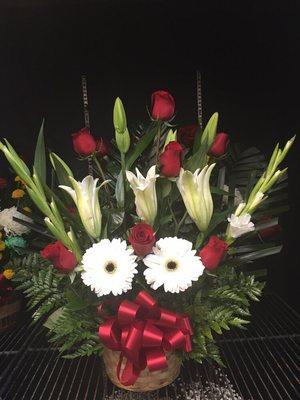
(110, 267)
(171, 265)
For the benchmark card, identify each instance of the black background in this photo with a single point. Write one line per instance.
(248, 53)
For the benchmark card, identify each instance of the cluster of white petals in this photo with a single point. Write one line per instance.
(238, 226)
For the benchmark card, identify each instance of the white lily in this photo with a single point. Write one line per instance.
(85, 196)
(195, 192)
(145, 193)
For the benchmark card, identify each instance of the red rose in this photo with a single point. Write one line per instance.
(61, 258)
(213, 253)
(142, 239)
(170, 159)
(102, 147)
(186, 135)
(220, 144)
(163, 105)
(269, 233)
(83, 142)
(3, 183)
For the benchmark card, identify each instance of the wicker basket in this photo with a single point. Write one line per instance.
(9, 310)
(147, 380)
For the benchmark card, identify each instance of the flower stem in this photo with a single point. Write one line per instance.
(158, 136)
(97, 162)
(123, 166)
(180, 223)
(176, 229)
(100, 171)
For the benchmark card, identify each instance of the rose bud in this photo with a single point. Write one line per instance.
(163, 105)
(170, 159)
(83, 142)
(3, 183)
(272, 232)
(220, 144)
(142, 239)
(102, 147)
(213, 252)
(61, 258)
(186, 135)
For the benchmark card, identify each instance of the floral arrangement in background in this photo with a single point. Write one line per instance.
(12, 233)
(151, 254)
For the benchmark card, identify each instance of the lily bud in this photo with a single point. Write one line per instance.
(120, 124)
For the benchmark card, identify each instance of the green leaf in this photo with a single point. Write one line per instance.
(53, 318)
(40, 155)
(199, 159)
(210, 131)
(217, 218)
(75, 302)
(61, 168)
(197, 141)
(120, 190)
(260, 253)
(141, 145)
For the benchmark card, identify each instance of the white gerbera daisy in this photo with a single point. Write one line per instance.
(173, 264)
(109, 267)
(11, 226)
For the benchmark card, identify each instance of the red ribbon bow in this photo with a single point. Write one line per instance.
(143, 333)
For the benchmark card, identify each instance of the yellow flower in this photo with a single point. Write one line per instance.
(2, 245)
(8, 273)
(18, 193)
(27, 209)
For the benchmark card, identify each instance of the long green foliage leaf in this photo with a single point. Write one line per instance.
(40, 156)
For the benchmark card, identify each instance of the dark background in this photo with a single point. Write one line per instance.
(248, 53)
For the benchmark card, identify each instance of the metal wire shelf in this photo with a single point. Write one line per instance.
(262, 364)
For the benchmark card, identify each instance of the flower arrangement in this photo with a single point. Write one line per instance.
(153, 262)
(12, 244)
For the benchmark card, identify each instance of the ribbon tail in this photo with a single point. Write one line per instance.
(129, 374)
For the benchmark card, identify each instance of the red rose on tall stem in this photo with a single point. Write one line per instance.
(142, 239)
(3, 183)
(171, 159)
(61, 258)
(163, 105)
(220, 144)
(83, 142)
(102, 147)
(186, 135)
(213, 253)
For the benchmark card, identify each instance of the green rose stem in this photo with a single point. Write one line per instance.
(159, 125)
